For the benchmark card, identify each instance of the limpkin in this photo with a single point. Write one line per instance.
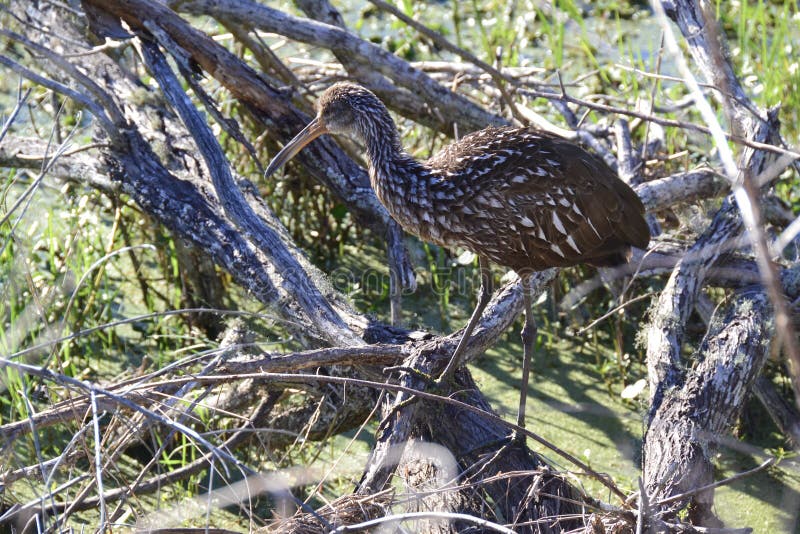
(519, 197)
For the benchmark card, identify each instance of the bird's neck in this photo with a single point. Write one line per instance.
(383, 148)
(397, 178)
(390, 168)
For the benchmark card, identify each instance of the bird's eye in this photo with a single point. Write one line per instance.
(338, 117)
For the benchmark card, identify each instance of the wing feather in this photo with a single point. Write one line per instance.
(561, 204)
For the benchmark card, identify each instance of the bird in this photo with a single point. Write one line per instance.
(519, 197)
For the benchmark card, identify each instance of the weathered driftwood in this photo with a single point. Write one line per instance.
(189, 188)
(515, 479)
(684, 431)
(448, 106)
(693, 405)
(262, 259)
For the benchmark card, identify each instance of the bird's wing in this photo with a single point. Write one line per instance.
(585, 209)
(564, 203)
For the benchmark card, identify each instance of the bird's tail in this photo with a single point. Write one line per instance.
(618, 257)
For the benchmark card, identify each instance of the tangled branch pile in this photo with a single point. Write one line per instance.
(175, 119)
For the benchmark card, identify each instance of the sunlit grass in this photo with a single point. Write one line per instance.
(765, 49)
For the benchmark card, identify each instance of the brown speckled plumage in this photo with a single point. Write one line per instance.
(523, 198)
(518, 197)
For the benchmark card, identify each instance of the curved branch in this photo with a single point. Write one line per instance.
(326, 321)
(447, 106)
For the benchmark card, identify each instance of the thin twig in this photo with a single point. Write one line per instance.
(658, 120)
(613, 310)
(25, 72)
(79, 385)
(653, 91)
(21, 99)
(109, 107)
(731, 479)
(305, 378)
(411, 516)
(499, 77)
(98, 462)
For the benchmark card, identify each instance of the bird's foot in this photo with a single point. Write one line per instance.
(508, 443)
(448, 373)
(443, 380)
(517, 438)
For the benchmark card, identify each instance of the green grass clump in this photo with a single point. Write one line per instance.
(764, 41)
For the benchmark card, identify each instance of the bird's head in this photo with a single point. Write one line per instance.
(344, 108)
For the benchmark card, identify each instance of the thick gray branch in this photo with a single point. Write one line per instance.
(684, 432)
(439, 102)
(323, 159)
(294, 278)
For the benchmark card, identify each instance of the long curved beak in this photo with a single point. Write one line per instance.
(314, 129)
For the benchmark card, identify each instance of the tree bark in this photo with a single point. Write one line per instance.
(693, 404)
(158, 149)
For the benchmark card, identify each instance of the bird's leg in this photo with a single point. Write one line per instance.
(484, 297)
(529, 330)
(528, 334)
